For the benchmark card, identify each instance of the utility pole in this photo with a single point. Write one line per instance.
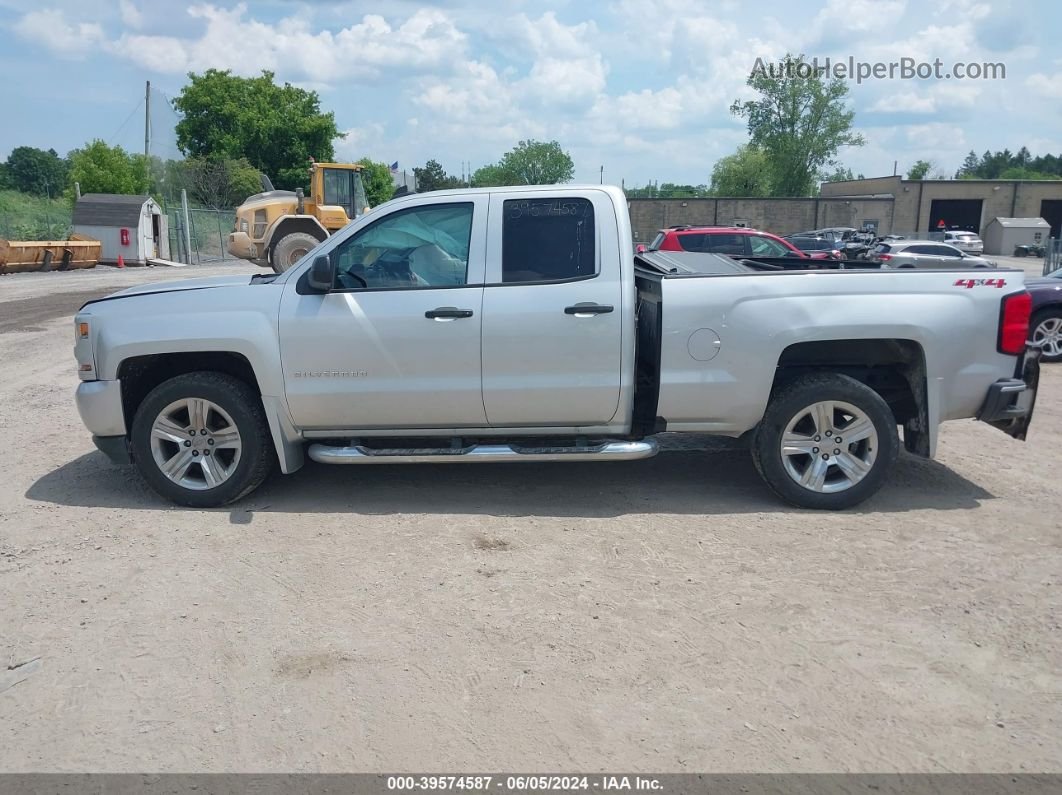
(147, 136)
(602, 180)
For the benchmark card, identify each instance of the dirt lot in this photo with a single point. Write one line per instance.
(666, 615)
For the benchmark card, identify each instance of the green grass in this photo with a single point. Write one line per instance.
(27, 217)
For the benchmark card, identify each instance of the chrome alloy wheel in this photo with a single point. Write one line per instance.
(829, 446)
(195, 444)
(1048, 333)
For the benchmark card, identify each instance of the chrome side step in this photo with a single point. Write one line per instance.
(483, 453)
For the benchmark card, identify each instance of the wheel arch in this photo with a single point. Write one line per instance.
(290, 224)
(894, 368)
(138, 375)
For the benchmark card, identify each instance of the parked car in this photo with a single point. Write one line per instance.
(924, 254)
(516, 324)
(838, 234)
(815, 245)
(967, 242)
(858, 244)
(734, 241)
(1046, 325)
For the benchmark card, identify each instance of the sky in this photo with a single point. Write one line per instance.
(640, 88)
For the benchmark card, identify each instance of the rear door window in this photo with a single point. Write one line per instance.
(692, 242)
(548, 240)
(730, 244)
(945, 251)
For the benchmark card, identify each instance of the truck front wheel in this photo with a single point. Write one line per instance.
(826, 441)
(290, 249)
(201, 439)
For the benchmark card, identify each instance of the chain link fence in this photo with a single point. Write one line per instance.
(42, 226)
(1052, 255)
(203, 237)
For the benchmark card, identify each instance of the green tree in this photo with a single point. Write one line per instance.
(491, 176)
(840, 174)
(36, 171)
(100, 168)
(1018, 172)
(968, 169)
(747, 172)
(379, 185)
(219, 183)
(920, 170)
(433, 177)
(276, 128)
(800, 122)
(537, 163)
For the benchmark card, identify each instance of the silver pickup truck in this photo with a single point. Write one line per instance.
(517, 324)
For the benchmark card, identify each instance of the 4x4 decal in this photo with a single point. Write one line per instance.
(969, 284)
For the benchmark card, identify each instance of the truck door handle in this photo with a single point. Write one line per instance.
(447, 313)
(588, 309)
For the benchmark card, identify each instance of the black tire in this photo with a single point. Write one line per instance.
(788, 403)
(290, 249)
(1037, 319)
(257, 454)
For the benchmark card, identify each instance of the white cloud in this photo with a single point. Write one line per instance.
(233, 39)
(1044, 86)
(132, 17)
(50, 29)
(358, 141)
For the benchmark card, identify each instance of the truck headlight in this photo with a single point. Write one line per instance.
(243, 225)
(86, 365)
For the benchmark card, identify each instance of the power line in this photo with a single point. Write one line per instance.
(139, 105)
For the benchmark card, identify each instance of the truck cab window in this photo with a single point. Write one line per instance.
(337, 189)
(415, 248)
(547, 240)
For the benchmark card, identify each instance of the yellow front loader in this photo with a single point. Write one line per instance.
(276, 228)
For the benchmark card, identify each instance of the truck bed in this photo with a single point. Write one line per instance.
(716, 331)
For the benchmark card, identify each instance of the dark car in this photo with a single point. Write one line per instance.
(815, 245)
(1046, 324)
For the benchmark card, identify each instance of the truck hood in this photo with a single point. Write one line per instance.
(183, 284)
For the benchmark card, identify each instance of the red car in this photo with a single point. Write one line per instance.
(736, 241)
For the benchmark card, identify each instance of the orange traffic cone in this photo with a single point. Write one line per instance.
(121, 261)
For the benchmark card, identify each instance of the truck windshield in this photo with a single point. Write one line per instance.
(344, 188)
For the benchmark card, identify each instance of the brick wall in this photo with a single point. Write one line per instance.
(779, 216)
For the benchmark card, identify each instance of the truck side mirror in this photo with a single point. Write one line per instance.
(322, 274)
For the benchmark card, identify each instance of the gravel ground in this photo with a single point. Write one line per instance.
(665, 615)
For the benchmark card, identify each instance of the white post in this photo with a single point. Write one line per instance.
(187, 226)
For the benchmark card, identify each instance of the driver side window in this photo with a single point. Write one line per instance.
(765, 247)
(418, 248)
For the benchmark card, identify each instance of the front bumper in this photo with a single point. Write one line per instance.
(100, 405)
(240, 245)
(1010, 401)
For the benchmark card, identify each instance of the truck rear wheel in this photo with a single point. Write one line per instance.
(290, 249)
(202, 440)
(826, 441)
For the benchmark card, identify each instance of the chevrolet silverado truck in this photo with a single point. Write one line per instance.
(518, 324)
